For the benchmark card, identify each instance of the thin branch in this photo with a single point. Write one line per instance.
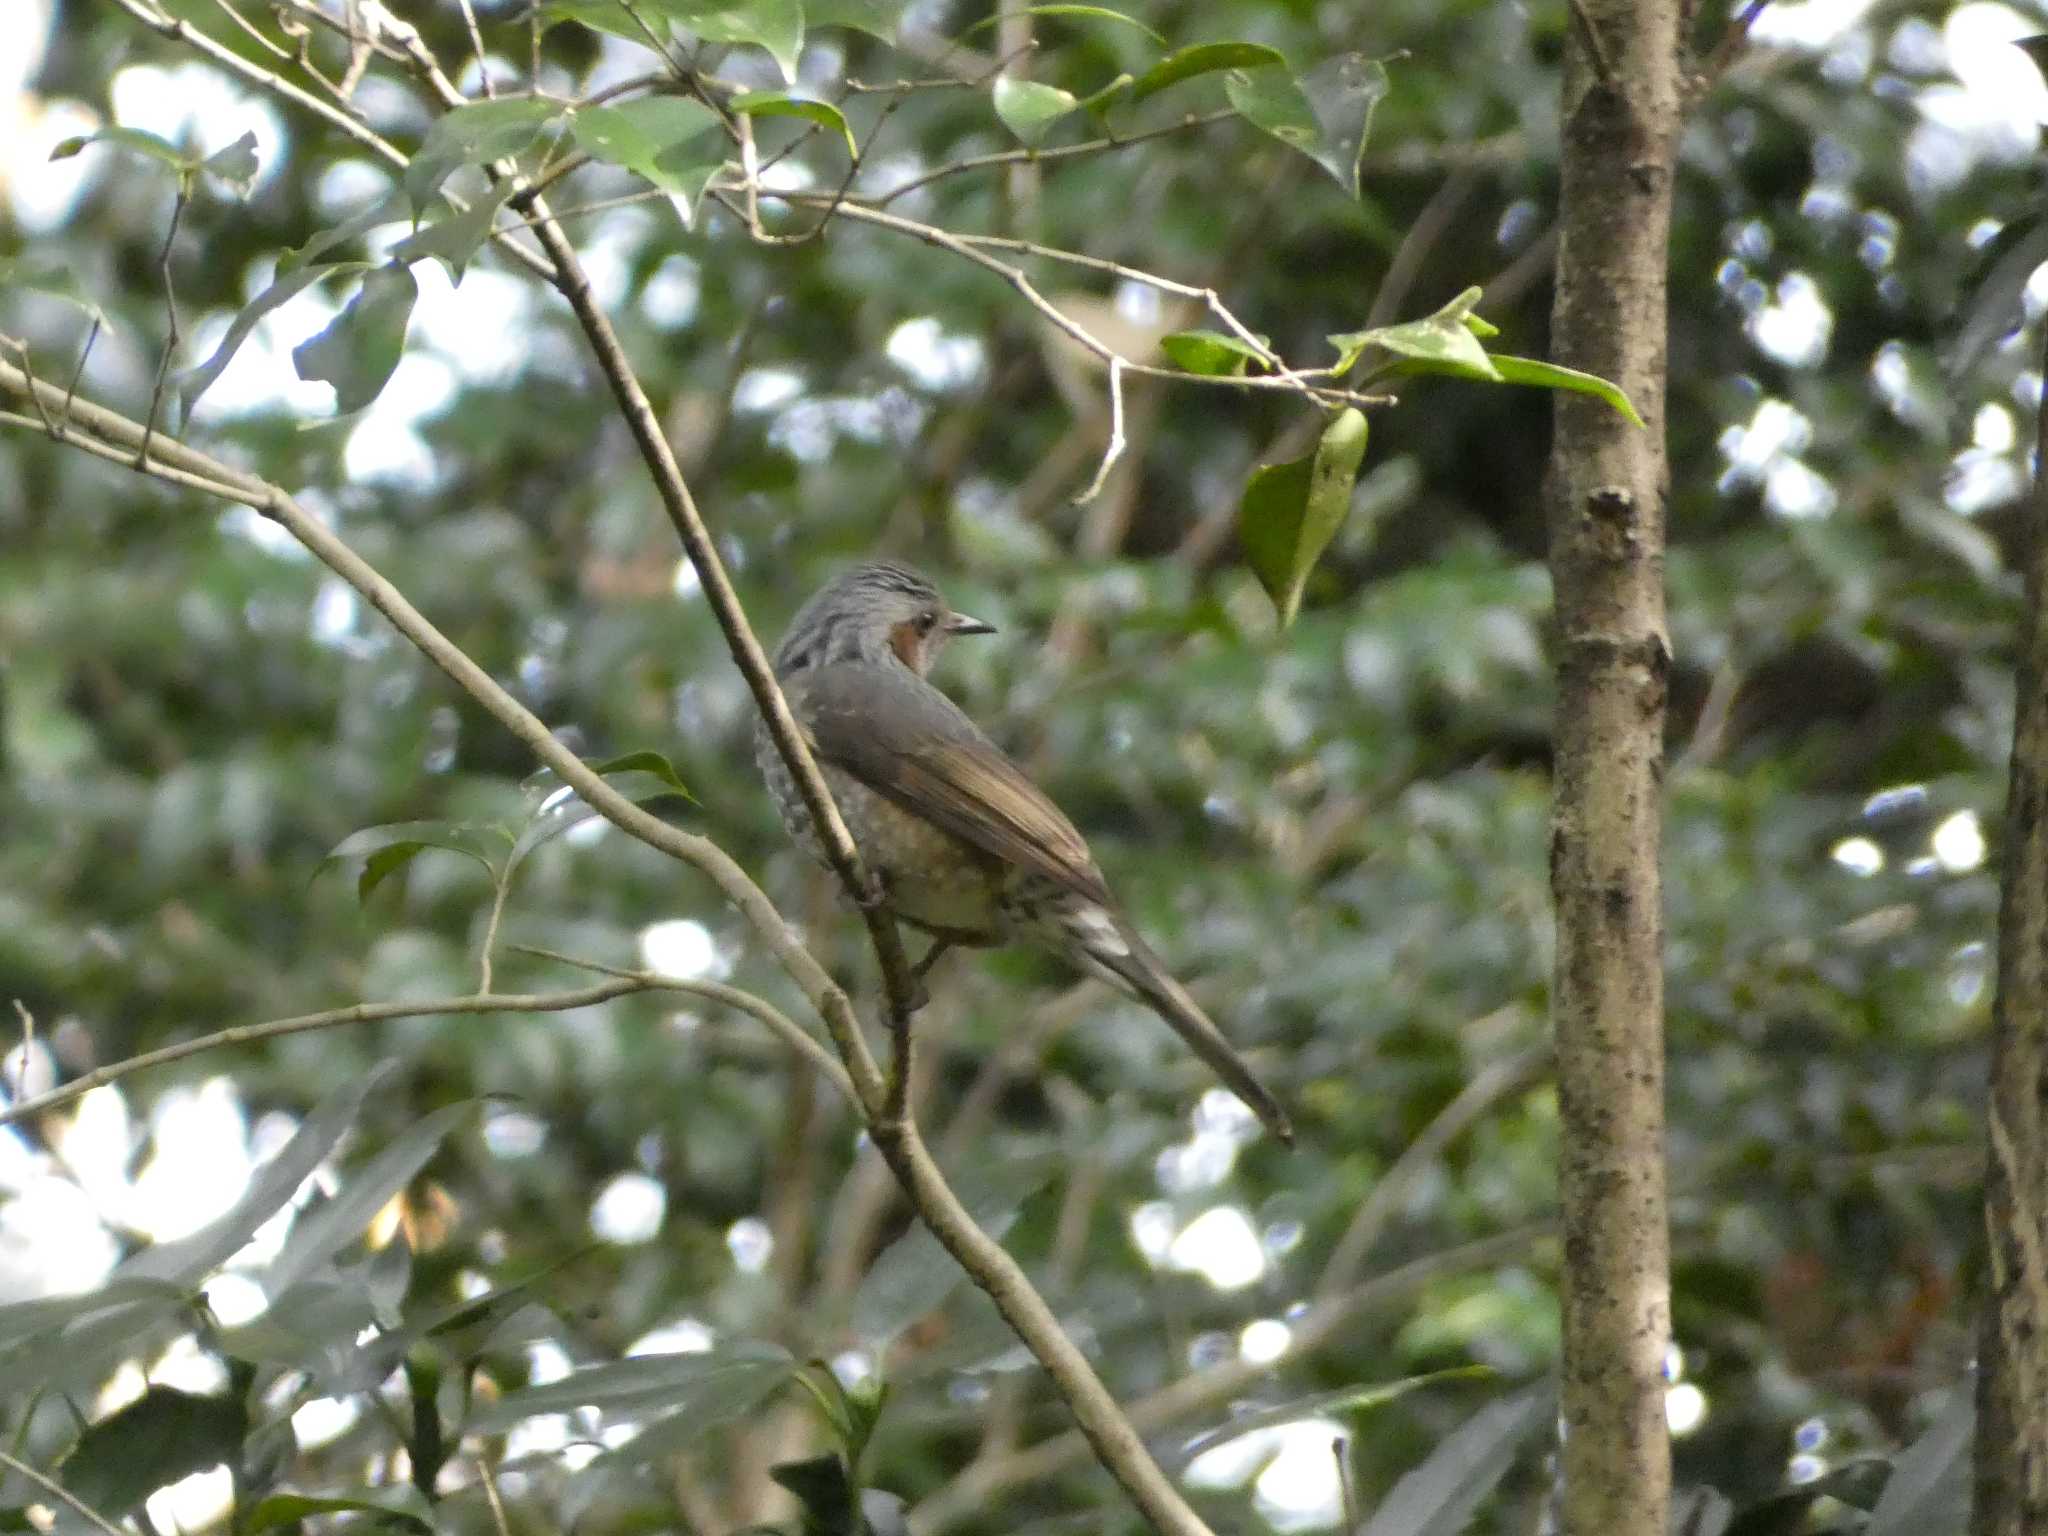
(163, 363)
(476, 41)
(331, 1018)
(501, 887)
(1114, 449)
(1044, 156)
(61, 1494)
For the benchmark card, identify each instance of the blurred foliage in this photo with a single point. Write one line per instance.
(1337, 833)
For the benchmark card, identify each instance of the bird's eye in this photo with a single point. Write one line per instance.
(925, 621)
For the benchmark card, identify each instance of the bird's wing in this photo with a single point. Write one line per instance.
(910, 743)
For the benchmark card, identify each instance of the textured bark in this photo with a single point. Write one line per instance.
(1607, 485)
(2012, 1347)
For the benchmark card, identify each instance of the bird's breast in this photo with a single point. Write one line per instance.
(934, 880)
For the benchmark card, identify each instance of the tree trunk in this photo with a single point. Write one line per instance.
(1606, 489)
(2012, 1347)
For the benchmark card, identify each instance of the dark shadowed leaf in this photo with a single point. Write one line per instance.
(705, 1389)
(1028, 107)
(1290, 512)
(1440, 1497)
(1858, 1483)
(1928, 1493)
(454, 240)
(398, 1502)
(915, 1274)
(162, 1436)
(782, 104)
(825, 1490)
(1216, 353)
(1204, 59)
(476, 134)
(360, 347)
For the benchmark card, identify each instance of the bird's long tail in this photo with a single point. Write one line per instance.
(1125, 960)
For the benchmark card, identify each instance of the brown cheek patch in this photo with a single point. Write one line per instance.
(903, 641)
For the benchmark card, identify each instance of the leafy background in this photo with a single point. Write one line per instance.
(1336, 831)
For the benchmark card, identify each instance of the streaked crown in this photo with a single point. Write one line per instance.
(854, 616)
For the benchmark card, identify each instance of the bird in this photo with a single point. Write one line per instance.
(963, 846)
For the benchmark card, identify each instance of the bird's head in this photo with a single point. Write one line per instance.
(878, 612)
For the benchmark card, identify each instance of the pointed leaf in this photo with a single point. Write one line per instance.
(1928, 1493)
(161, 1437)
(782, 104)
(824, 1489)
(454, 240)
(359, 350)
(1290, 512)
(476, 134)
(1439, 1497)
(235, 166)
(134, 139)
(705, 1388)
(661, 138)
(1438, 343)
(1324, 114)
(1527, 370)
(323, 1231)
(1342, 1400)
(1077, 12)
(1204, 59)
(190, 1258)
(388, 208)
(25, 1319)
(387, 849)
(195, 382)
(553, 807)
(1028, 107)
(1214, 353)
(776, 25)
(399, 1502)
(913, 1275)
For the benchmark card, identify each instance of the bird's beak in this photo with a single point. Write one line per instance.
(961, 624)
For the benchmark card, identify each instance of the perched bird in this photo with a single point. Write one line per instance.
(965, 847)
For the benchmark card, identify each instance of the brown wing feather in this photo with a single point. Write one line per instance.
(907, 741)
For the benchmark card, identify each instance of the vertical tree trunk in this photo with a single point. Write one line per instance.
(2012, 1347)
(1606, 489)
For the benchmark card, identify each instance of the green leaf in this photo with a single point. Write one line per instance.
(877, 18)
(146, 144)
(1439, 1497)
(654, 137)
(706, 1389)
(455, 239)
(324, 1230)
(1028, 107)
(1204, 59)
(396, 1501)
(553, 807)
(1325, 113)
(388, 208)
(824, 1488)
(25, 1319)
(360, 347)
(776, 25)
(476, 134)
(234, 166)
(782, 104)
(912, 1276)
(1213, 353)
(1342, 1400)
(162, 1436)
(1438, 343)
(1290, 512)
(1078, 12)
(1527, 370)
(386, 849)
(195, 382)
